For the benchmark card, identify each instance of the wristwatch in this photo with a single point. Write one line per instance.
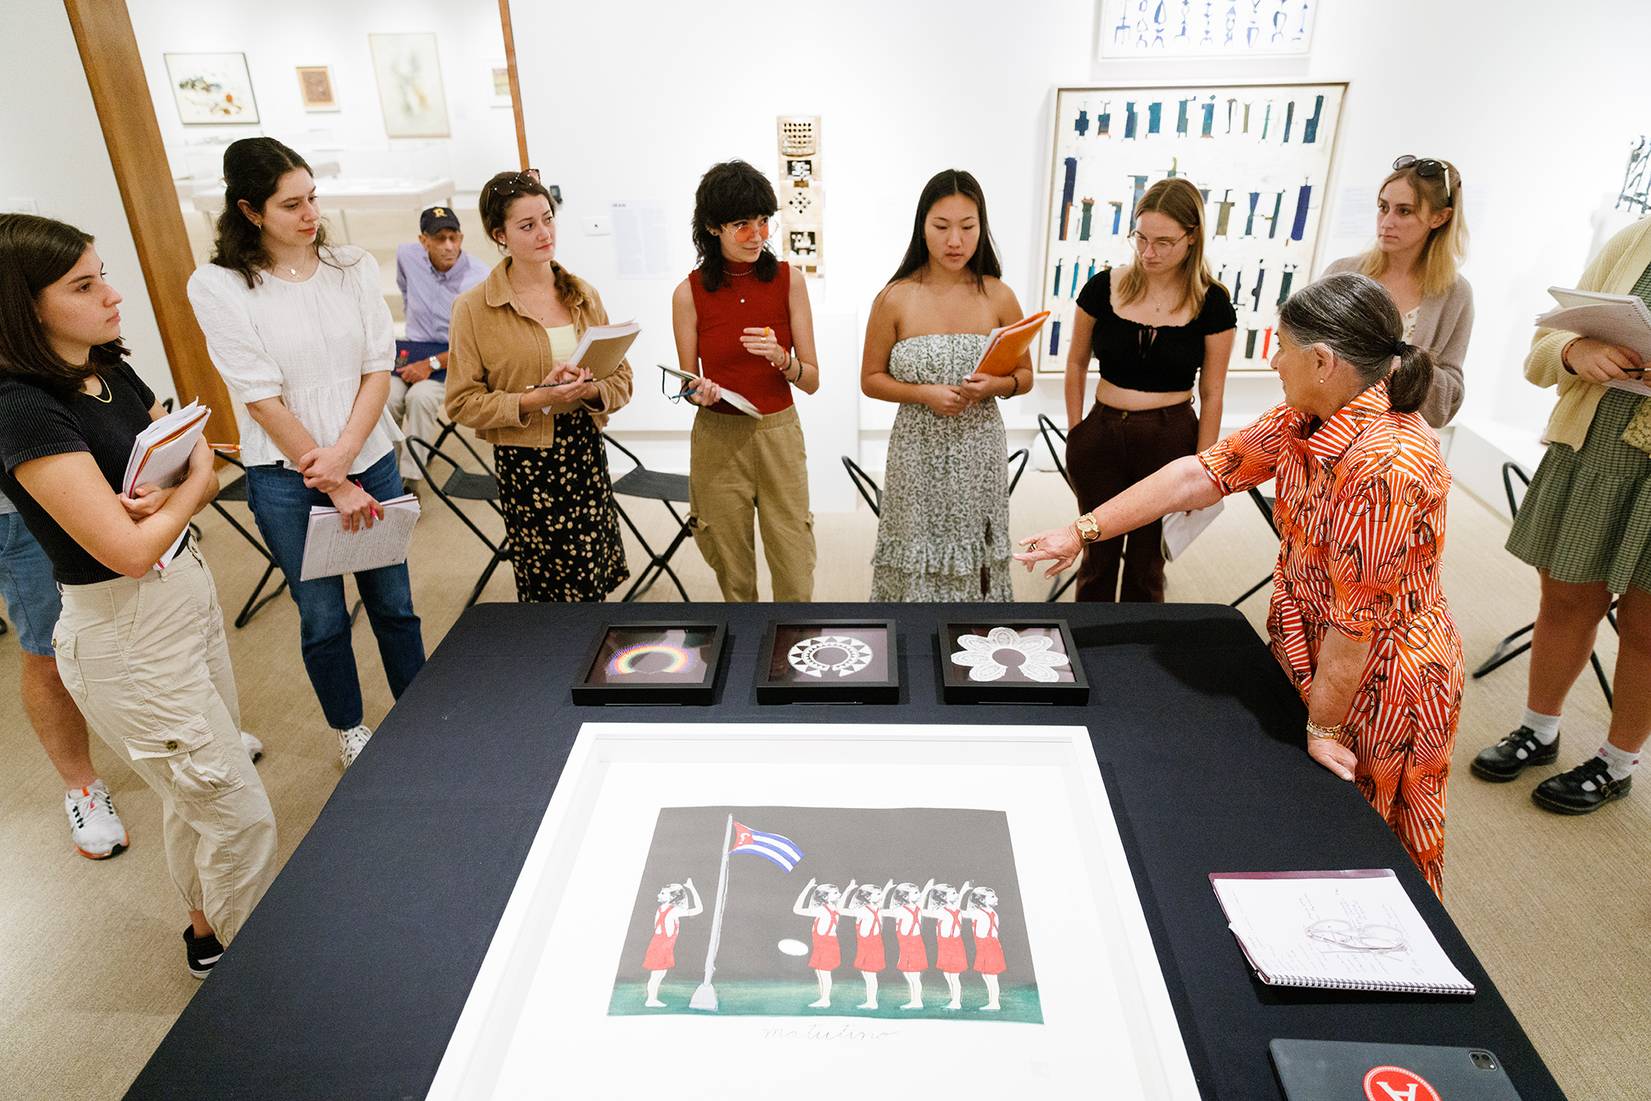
(1088, 529)
(435, 363)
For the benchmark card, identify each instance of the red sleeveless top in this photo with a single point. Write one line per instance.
(744, 301)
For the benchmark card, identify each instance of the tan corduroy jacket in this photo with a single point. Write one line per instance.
(496, 352)
(1614, 271)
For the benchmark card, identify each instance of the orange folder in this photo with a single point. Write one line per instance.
(1008, 344)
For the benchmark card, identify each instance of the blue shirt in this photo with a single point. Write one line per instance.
(428, 294)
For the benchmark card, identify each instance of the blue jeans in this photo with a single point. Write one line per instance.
(26, 586)
(281, 506)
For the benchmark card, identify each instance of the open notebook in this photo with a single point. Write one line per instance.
(1339, 930)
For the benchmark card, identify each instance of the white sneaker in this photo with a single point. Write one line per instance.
(93, 824)
(351, 742)
(254, 747)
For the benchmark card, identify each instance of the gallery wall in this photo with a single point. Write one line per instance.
(1538, 125)
(56, 164)
(320, 32)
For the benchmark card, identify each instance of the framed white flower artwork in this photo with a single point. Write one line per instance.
(1011, 661)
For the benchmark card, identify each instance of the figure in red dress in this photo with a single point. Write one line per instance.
(907, 912)
(980, 908)
(676, 901)
(865, 902)
(820, 903)
(941, 902)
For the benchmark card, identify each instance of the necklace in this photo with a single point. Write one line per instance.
(103, 394)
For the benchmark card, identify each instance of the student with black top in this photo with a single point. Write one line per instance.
(1160, 328)
(140, 649)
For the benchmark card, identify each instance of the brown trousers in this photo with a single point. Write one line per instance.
(1106, 453)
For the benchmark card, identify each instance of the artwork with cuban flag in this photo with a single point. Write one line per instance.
(889, 912)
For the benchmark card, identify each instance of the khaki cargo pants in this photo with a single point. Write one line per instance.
(146, 661)
(740, 467)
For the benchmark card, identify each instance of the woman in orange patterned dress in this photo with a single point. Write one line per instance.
(1358, 619)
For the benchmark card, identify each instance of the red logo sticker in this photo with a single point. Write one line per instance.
(1397, 1084)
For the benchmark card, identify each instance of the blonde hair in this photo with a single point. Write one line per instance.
(1178, 200)
(1446, 245)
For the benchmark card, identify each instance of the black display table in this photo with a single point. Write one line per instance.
(348, 979)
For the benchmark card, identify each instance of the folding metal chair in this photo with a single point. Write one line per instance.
(669, 490)
(1510, 647)
(870, 491)
(1050, 433)
(463, 485)
(237, 491)
(1264, 505)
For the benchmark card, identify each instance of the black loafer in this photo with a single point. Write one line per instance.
(201, 952)
(1509, 757)
(1584, 789)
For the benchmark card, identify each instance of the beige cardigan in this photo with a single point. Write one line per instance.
(1443, 325)
(1615, 270)
(497, 352)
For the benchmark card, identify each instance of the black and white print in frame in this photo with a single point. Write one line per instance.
(829, 661)
(1011, 661)
(652, 663)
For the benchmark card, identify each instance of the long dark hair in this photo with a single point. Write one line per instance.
(953, 181)
(253, 168)
(497, 195)
(36, 252)
(1354, 316)
(729, 192)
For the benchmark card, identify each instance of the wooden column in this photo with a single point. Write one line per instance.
(515, 84)
(109, 54)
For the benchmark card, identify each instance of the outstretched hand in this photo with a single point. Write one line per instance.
(1057, 546)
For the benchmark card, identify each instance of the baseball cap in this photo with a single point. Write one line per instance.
(436, 219)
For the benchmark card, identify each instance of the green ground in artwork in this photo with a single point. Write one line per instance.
(790, 999)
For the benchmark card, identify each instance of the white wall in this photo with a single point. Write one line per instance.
(55, 164)
(278, 38)
(1535, 108)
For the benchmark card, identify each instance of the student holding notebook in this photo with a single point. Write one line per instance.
(300, 332)
(141, 652)
(510, 379)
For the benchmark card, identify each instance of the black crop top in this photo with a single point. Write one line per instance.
(1159, 359)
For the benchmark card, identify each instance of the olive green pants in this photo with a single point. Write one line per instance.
(742, 468)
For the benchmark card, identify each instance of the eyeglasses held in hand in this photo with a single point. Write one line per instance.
(1427, 168)
(1357, 936)
(1159, 244)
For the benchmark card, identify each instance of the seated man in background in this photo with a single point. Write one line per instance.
(430, 273)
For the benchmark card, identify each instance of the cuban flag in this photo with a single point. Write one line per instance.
(781, 850)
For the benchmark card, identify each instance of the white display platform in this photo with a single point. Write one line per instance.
(536, 1023)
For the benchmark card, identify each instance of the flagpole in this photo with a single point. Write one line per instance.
(705, 996)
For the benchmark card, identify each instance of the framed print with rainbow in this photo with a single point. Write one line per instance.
(653, 663)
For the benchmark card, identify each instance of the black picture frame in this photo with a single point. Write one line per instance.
(958, 686)
(779, 680)
(595, 688)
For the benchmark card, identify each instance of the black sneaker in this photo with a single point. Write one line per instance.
(203, 952)
(1509, 757)
(1584, 789)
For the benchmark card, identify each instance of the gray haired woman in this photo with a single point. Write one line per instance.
(1358, 618)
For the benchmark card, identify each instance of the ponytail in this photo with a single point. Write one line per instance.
(1408, 385)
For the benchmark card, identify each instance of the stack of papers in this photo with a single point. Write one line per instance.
(329, 550)
(160, 458)
(1620, 319)
(1335, 930)
(1181, 528)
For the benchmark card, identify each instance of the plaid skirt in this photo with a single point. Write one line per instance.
(1587, 516)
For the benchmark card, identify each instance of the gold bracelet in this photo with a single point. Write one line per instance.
(1316, 732)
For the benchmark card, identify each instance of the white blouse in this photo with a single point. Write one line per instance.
(307, 343)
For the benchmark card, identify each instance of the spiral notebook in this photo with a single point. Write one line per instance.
(1336, 930)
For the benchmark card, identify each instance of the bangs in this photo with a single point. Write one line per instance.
(741, 194)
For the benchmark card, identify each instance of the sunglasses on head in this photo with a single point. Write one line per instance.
(517, 182)
(1427, 168)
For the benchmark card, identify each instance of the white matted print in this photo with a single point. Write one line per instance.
(211, 89)
(1205, 28)
(1260, 154)
(541, 1019)
(408, 72)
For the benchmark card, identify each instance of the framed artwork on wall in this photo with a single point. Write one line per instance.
(828, 661)
(408, 71)
(1200, 28)
(211, 89)
(315, 88)
(653, 663)
(499, 83)
(1260, 154)
(1011, 661)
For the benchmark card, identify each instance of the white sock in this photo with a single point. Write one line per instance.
(1545, 727)
(1620, 762)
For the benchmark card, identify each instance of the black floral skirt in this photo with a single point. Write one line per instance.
(558, 513)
